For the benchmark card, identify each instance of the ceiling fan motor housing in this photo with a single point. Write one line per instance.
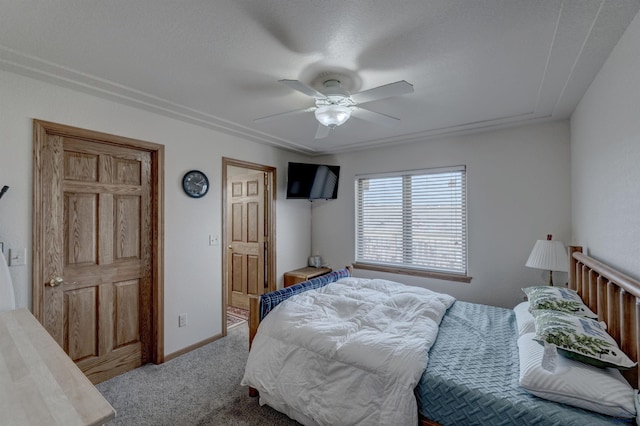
(334, 95)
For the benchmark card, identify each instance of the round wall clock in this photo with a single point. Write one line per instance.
(195, 184)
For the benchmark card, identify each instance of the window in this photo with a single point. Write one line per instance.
(415, 221)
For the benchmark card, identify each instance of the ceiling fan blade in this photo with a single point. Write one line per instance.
(374, 117)
(302, 88)
(322, 132)
(392, 89)
(282, 114)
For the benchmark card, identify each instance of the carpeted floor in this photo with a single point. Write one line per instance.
(201, 387)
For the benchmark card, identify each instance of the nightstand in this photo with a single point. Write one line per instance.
(303, 274)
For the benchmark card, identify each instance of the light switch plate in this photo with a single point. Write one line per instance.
(17, 257)
(182, 320)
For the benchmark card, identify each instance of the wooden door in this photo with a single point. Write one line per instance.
(95, 260)
(246, 234)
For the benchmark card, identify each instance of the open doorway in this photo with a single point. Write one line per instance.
(248, 235)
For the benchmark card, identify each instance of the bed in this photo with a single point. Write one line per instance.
(459, 385)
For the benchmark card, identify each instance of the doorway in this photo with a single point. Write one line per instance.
(248, 233)
(98, 247)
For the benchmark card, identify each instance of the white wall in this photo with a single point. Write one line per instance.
(518, 191)
(605, 159)
(193, 281)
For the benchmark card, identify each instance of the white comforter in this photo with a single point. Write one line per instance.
(350, 353)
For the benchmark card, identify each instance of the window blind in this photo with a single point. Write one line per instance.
(414, 219)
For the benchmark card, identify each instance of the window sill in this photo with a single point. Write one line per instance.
(405, 271)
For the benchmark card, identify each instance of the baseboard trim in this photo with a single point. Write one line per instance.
(189, 348)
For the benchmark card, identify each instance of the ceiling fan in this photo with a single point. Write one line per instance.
(336, 105)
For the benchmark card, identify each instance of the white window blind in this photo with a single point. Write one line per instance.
(415, 220)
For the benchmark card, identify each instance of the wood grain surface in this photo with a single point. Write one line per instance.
(97, 226)
(39, 383)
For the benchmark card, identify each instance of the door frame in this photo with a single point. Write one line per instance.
(41, 130)
(270, 220)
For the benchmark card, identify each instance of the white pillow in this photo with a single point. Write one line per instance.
(524, 319)
(603, 390)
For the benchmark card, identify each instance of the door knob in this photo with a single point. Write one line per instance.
(56, 281)
(229, 247)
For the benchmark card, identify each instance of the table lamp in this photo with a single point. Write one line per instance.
(550, 255)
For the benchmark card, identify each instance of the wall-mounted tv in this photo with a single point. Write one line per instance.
(312, 181)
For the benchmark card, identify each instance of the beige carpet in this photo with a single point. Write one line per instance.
(201, 387)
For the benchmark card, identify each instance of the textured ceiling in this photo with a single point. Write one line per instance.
(474, 65)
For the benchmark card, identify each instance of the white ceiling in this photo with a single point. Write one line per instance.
(474, 64)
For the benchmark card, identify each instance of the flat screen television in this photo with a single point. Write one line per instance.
(312, 181)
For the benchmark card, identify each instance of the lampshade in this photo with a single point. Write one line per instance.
(549, 255)
(332, 115)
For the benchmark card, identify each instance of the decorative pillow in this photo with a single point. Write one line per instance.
(524, 319)
(603, 390)
(580, 338)
(557, 299)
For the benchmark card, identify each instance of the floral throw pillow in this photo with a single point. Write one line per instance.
(557, 299)
(579, 338)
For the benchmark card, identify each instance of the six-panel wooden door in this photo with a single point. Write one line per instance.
(96, 299)
(246, 233)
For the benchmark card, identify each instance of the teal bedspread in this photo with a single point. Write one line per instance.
(472, 376)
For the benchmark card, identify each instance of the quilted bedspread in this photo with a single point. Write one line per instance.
(473, 373)
(350, 353)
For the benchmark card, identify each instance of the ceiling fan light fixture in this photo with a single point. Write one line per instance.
(332, 115)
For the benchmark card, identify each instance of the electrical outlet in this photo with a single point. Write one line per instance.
(182, 320)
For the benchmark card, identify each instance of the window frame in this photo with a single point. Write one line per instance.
(407, 269)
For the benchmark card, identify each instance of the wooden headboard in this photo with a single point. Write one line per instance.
(614, 296)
